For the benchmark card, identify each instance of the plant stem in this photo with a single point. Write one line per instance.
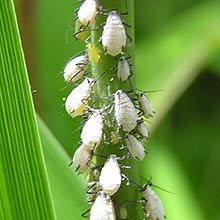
(128, 193)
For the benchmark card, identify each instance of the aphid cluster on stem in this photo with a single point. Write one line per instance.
(116, 123)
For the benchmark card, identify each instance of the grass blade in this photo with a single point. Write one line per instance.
(67, 188)
(24, 191)
(176, 57)
(169, 174)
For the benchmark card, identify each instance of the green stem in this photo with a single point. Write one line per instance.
(129, 193)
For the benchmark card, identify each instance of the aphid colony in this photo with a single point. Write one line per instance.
(120, 123)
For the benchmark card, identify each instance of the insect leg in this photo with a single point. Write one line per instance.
(84, 214)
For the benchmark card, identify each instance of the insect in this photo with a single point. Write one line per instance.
(145, 105)
(114, 34)
(102, 208)
(76, 68)
(81, 31)
(81, 159)
(110, 177)
(123, 70)
(77, 100)
(123, 212)
(152, 204)
(125, 112)
(93, 130)
(87, 12)
(114, 137)
(142, 129)
(135, 147)
(93, 53)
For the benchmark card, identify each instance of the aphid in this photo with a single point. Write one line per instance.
(114, 137)
(125, 112)
(77, 100)
(153, 206)
(76, 68)
(142, 129)
(114, 34)
(110, 177)
(93, 130)
(93, 53)
(123, 212)
(87, 12)
(145, 105)
(102, 208)
(135, 147)
(82, 158)
(123, 70)
(81, 31)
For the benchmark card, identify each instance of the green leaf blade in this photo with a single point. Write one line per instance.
(24, 187)
(176, 57)
(68, 188)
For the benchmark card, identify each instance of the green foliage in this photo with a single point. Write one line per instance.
(24, 191)
(67, 188)
(176, 41)
(168, 174)
(178, 56)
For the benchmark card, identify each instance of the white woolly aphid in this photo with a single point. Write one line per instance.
(114, 34)
(135, 147)
(77, 100)
(123, 69)
(81, 159)
(153, 205)
(125, 112)
(92, 131)
(102, 208)
(145, 105)
(87, 12)
(110, 177)
(142, 130)
(76, 68)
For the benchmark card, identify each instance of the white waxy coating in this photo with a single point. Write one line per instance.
(135, 147)
(88, 12)
(81, 159)
(123, 71)
(114, 34)
(75, 68)
(102, 208)
(77, 100)
(110, 177)
(125, 112)
(142, 130)
(92, 131)
(153, 205)
(145, 105)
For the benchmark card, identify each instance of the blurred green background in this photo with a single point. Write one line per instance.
(178, 51)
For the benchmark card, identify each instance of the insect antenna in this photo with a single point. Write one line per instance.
(149, 182)
(69, 27)
(149, 91)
